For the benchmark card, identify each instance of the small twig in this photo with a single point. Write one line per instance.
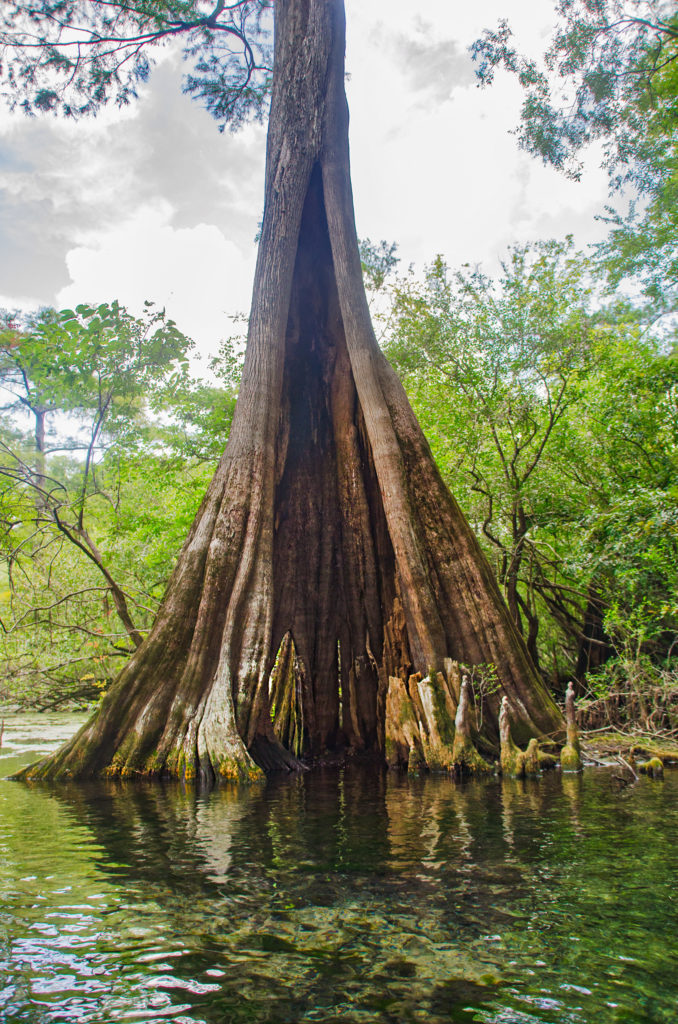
(590, 759)
(623, 761)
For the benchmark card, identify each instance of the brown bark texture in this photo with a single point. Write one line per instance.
(328, 555)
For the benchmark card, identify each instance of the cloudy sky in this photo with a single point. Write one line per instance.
(155, 204)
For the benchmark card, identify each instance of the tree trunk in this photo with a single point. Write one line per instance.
(39, 415)
(327, 524)
(595, 646)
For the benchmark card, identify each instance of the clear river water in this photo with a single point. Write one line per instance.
(348, 895)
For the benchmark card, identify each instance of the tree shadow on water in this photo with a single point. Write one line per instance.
(320, 897)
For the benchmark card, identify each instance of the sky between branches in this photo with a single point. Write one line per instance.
(153, 203)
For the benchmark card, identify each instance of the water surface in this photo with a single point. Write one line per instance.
(336, 896)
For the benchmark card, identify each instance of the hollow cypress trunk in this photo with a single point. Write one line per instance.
(327, 525)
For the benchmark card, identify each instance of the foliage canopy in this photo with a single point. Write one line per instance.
(73, 56)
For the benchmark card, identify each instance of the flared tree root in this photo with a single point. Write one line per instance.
(429, 723)
(208, 751)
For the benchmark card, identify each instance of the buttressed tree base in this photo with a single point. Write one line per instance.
(328, 556)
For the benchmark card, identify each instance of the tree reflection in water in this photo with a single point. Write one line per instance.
(350, 895)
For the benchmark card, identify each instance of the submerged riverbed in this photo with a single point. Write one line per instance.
(336, 896)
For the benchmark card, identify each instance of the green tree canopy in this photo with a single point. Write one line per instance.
(603, 78)
(73, 56)
(97, 501)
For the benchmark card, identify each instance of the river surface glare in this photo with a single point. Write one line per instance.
(336, 896)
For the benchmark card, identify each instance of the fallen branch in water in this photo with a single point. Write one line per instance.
(623, 761)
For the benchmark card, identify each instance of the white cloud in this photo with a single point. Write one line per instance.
(196, 273)
(435, 166)
(22, 303)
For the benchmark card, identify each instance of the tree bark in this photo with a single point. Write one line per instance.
(327, 524)
(595, 646)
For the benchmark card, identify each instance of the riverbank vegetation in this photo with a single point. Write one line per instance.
(107, 445)
(551, 410)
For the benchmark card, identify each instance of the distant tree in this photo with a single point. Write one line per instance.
(94, 367)
(611, 57)
(493, 368)
(643, 242)
(71, 57)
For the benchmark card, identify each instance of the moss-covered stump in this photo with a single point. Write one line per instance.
(465, 757)
(570, 761)
(654, 768)
(514, 761)
(511, 756)
(570, 755)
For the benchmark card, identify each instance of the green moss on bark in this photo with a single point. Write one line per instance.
(570, 761)
(654, 768)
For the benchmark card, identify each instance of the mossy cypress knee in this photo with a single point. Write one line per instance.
(513, 760)
(570, 755)
(654, 768)
(464, 754)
